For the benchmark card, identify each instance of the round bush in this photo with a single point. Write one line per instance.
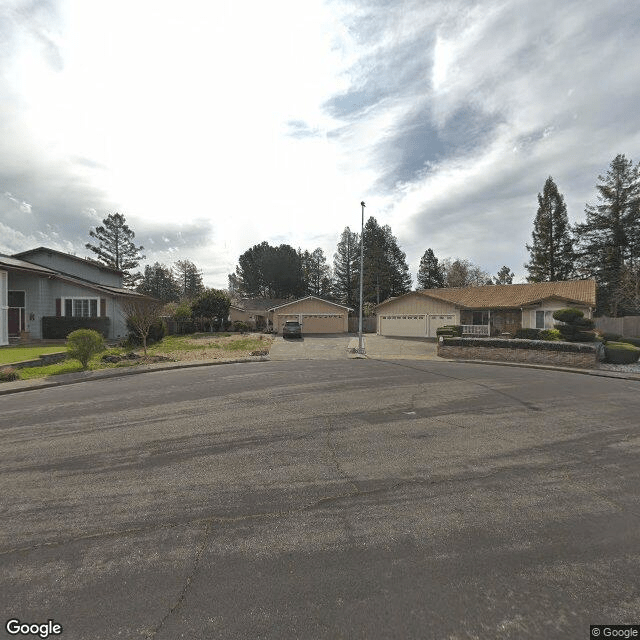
(568, 315)
(8, 374)
(238, 325)
(83, 344)
(550, 335)
(621, 353)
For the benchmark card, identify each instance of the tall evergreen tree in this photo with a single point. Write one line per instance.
(159, 283)
(386, 273)
(270, 272)
(505, 276)
(316, 273)
(346, 269)
(551, 252)
(609, 240)
(430, 272)
(115, 247)
(189, 279)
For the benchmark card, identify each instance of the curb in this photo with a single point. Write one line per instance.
(101, 374)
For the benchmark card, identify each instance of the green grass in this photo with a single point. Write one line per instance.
(20, 354)
(248, 344)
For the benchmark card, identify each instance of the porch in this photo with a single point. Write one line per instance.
(490, 322)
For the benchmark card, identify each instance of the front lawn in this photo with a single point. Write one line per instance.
(21, 354)
(199, 346)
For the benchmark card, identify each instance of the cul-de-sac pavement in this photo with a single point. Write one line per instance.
(328, 498)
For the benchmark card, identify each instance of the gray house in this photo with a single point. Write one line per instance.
(46, 293)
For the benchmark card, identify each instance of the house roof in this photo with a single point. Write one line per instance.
(10, 262)
(257, 304)
(504, 296)
(286, 304)
(93, 263)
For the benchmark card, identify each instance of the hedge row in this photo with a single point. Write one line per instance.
(59, 327)
(514, 343)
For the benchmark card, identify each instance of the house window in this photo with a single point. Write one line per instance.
(81, 307)
(539, 319)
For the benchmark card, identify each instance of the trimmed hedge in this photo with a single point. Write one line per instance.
(621, 353)
(452, 330)
(527, 334)
(59, 327)
(515, 343)
(634, 341)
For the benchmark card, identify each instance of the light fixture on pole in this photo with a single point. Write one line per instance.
(360, 347)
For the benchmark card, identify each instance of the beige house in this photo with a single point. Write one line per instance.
(486, 310)
(314, 314)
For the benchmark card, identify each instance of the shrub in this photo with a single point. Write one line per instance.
(8, 374)
(505, 343)
(238, 325)
(58, 328)
(621, 353)
(610, 337)
(550, 335)
(453, 330)
(575, 327)
(634, 341)
(83, 344)
(527, 334)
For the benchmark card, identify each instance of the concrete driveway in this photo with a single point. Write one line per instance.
(340, 347)
(316, 347)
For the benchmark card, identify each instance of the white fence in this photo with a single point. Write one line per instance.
(475, 329)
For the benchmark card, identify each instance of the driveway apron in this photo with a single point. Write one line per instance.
(321, 347)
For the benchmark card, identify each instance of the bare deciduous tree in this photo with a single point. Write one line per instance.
(141, 312)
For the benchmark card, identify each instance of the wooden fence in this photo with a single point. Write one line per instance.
(627, 326)
(369, 325)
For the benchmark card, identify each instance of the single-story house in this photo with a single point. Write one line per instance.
(486, 310)
(44, 291)
(314, 314)
(253, 311)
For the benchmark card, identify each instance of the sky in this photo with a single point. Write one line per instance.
(214, 126)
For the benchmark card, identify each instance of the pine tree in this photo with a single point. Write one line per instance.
(316, 273)
(116, 248)
(346, 269)
(552, 254)
(189, 279)
(386, 273)
(159, 283)
(505, 276)
(609, 240)
(430, 272)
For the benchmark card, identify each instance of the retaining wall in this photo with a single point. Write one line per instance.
(512, 354)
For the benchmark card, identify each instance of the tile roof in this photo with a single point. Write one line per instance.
(503, 296)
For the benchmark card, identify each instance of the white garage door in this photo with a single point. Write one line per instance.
(407, 325)
(437, 321)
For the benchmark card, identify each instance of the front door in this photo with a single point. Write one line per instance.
(16, 314)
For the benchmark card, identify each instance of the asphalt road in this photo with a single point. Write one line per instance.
(323, 499)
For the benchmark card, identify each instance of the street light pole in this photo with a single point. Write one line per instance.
(360, 347)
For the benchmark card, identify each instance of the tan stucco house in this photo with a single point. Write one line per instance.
(253, 311)
(314, 314)
(486, 310)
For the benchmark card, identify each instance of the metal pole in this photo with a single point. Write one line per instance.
(360, 347)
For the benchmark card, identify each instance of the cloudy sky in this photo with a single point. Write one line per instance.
(212, 126)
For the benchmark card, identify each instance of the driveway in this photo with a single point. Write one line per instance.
(387, 348)
(318, 347)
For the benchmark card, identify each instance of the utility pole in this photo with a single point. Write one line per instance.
(360, 347)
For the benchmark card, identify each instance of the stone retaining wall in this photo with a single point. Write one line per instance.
(48, 358)
(532, 356)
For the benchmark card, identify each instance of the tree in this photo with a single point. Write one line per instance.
(83, 344)
(188, 278)
(141, 313)
(430, 272)
(212, 305)
(609, 239)
(270, 272)
(159, 282)
(116, 248)
(505, 276)
(464, 273)
(551, 252)
(346, 269)
(316, 273)
(386, 273)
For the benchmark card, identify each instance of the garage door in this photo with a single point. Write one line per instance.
(322, 323)
(437, 321)
(409, 326)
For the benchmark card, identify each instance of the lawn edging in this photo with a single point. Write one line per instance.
(42, 361)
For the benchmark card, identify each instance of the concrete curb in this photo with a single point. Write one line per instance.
(89, 376)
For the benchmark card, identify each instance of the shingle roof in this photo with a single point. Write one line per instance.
(502, 296)
(93, 263)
